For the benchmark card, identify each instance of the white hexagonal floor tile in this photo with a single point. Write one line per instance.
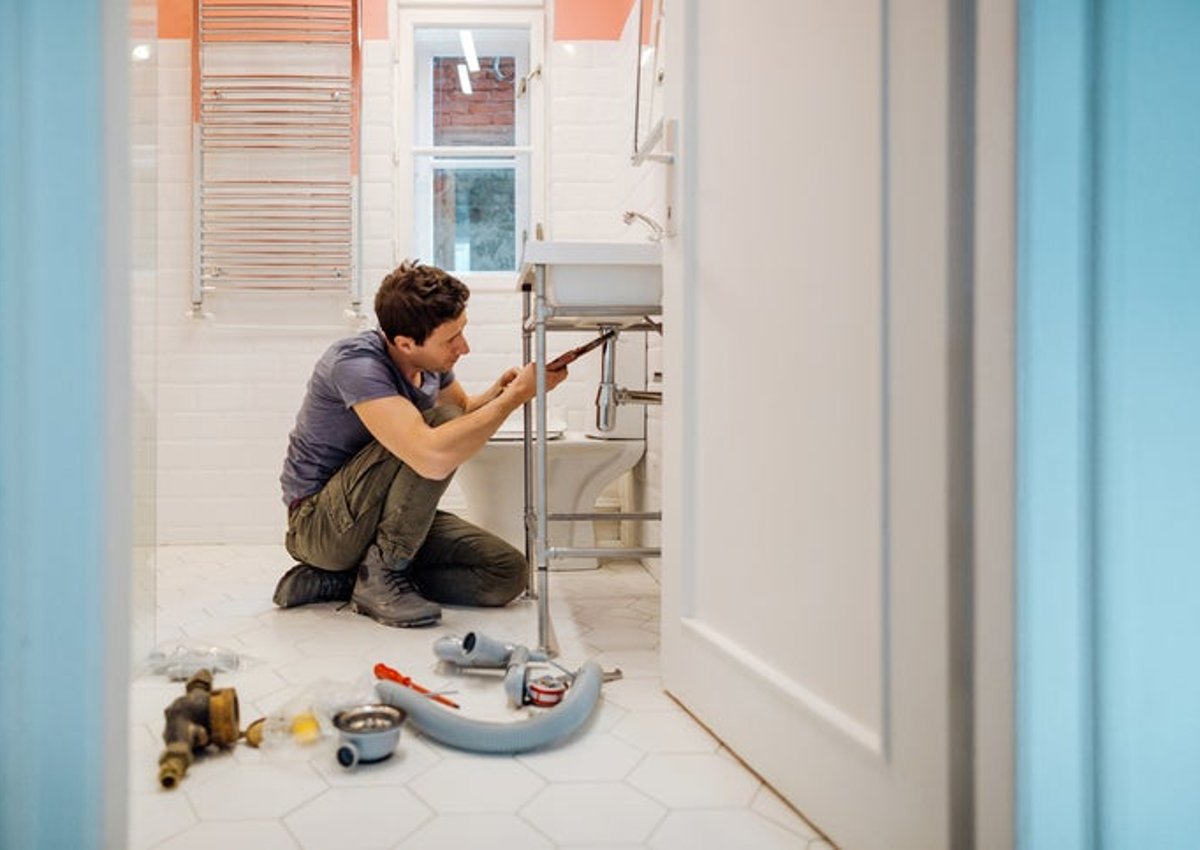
(594, 813)
(639, 694)
(255, 791)
(616, 638)
(277, 752)
(158, 816)
(665, 732)
(266, 646)
(250, 606)
(251, 683)
(363, 818)
(326, 668)
(603, 718)
(651, 605)
(148, 698)
(632, 662)
(627, 778)
(360, 637)
(595, 757)
(412, 757)
(144, 750)
(297, 624)
(771, 806)
(205, 627)
(209, 764)
(596, 616)
(233, 835)
(694, 780)
(476, 832)
(478, 784)
(731, 829)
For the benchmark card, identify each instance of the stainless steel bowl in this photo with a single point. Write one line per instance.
(369, 733)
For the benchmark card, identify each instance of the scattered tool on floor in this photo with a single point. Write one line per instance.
(382, 671)
(483, 736)
(194, 721)
(569, 699)
(369, 733)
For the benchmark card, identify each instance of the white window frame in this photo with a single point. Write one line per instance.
(530, 206)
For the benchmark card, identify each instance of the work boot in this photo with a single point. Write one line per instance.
(387, 594)
(304, 583)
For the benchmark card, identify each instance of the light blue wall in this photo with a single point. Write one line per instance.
(1108, 692)
(1148, 425)
(63, 592)
(1053, 400)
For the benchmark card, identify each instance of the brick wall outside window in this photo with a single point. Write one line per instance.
(484, 117)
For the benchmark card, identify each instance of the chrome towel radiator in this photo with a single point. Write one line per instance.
(275, 141)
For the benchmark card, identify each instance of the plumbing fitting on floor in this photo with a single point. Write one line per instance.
(479, 650)
(569, 699)
(194, 721)
(368, 734)
(484, 736)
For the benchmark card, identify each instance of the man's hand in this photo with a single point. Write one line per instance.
(503, 381)
(523, 385)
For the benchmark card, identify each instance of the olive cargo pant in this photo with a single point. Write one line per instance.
(376, 498)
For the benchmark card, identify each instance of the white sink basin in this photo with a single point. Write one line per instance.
(597, 274)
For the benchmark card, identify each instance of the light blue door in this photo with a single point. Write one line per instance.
(1108, 679)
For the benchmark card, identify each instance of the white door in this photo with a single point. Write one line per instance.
(813, 430)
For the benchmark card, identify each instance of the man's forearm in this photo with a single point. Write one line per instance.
(453, 442)
(477, 401)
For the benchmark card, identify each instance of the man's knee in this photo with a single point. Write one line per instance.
(508, 578)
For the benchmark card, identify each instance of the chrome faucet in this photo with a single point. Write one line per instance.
(656, 230)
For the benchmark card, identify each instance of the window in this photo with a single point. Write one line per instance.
(466, 138)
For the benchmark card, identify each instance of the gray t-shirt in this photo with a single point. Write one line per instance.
(328, 432)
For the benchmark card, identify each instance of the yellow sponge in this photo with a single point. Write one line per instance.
(305, 727)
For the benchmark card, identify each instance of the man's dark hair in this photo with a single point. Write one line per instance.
(414, 299)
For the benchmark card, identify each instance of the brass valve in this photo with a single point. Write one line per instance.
(194, 721)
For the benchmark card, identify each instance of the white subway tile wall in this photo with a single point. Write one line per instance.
(229, 383)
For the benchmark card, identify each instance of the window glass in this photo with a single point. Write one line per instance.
(485, 116)
(470, 205)
(470, 99)
(474, 217)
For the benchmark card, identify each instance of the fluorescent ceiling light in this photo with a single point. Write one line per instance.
(468, 46)
(464, 79)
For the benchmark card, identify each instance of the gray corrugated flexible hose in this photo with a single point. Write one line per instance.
(486, 736)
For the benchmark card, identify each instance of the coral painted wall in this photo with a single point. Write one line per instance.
(590, 20)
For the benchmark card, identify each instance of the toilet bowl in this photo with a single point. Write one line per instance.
(578, 468)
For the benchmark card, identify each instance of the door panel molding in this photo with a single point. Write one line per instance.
(787, 691)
